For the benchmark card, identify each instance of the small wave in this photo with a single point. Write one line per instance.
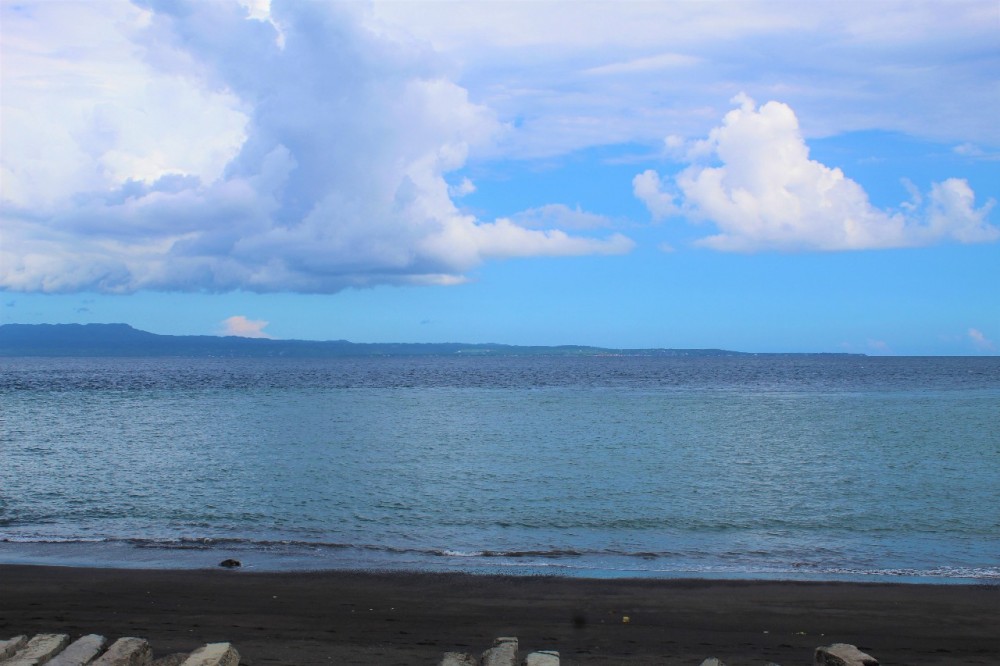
(217, 543)
(460, 553)
(553, 554)
(70, 540)
(583, 561)
(984, 573)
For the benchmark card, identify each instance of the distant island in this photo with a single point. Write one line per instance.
(123, 340)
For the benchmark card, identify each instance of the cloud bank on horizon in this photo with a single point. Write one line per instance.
(309, 147)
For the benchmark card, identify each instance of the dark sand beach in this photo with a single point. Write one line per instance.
(407, 618)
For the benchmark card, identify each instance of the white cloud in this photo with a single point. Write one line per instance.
(980, 341)
(242, 327)
(560, 216)
(879, 346)
(649, 188)
(895, 65)
(753, 179)
(952, 214)
(504, 238)
(190, 146)
(968, 149)
(647, 64)
(82, 112)
(464, 188)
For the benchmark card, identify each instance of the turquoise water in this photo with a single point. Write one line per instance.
(773, 467)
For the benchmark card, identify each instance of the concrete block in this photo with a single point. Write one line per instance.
(503, 652)
(843, 654)
(126, 652)
(214, 654)
(12, 645)
(542, 658)
(80, 652)
(39, 650)
(713, 661)
(458, 659)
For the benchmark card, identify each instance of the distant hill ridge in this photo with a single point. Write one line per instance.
(123, 340)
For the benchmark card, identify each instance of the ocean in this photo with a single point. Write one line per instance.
(779, 467)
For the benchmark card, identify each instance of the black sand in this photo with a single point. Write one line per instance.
(406, 618)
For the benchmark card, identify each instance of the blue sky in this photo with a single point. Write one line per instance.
(761, 176)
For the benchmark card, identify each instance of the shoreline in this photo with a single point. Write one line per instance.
(126, 554)
(380, 617)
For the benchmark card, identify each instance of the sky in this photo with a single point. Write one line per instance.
(753, 175)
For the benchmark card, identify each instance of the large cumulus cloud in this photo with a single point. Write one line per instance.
(752, 178)
(339, 139)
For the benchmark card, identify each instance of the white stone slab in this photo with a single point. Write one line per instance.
(458, 659)
(12, 645)
(542, 658)
(503, 652)
(843, 654)
(214, 654)
(126, 652)
(80, 652)
(39, 650)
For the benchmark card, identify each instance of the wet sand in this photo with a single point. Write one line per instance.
(407, 618)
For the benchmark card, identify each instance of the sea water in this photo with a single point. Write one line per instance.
(791, 467)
